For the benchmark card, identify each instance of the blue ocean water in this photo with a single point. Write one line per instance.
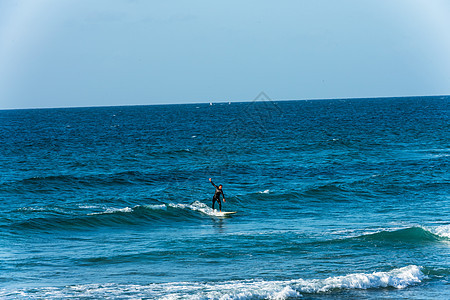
(335, 199)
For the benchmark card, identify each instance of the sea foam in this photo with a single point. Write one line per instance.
(239, 289)
(397, 278)
(197, 206)
(111, 210)
(441, 230)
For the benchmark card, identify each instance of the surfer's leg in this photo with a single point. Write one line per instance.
(220, 205)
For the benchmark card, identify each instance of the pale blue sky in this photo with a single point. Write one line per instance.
(85, 53)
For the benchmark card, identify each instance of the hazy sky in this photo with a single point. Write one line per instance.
(57, 53)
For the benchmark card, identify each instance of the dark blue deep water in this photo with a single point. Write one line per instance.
(334, 199)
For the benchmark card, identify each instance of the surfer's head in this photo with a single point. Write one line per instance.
(220, 186)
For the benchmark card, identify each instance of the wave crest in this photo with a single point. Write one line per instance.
(113, 216)
(416, 234)
(397, 278)
(242, 289)
(442, 231)
(196, 206)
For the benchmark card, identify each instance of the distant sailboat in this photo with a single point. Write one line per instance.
(210, 103)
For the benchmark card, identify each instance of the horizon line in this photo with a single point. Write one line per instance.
(228, 101)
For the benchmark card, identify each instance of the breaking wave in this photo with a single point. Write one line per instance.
(411, 234)
(239, 289)
(113, 216)
(195, 206)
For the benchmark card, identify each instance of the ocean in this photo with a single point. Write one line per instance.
(335, 199)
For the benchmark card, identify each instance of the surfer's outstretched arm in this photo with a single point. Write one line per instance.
(213, 184)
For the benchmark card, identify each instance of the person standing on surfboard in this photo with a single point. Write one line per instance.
(217, 195)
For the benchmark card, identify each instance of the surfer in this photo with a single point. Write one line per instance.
(217, 195)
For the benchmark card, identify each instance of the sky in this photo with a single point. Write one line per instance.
(107, 52)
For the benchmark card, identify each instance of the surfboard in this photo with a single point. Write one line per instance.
(224, 213)
(228, 212)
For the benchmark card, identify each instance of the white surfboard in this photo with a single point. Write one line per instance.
(229, 212)
(224, 213)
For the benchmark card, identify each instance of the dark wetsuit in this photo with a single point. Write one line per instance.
(217, 196)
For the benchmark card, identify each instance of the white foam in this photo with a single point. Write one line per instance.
(112, 211)
(87, 206)
(156, 206)
(32, 209)
(41, 209)
(397, 278)
(264, 192)
(197, 206)
(441, 230)
(240, 289)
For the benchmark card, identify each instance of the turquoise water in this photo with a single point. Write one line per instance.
(335, 199)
